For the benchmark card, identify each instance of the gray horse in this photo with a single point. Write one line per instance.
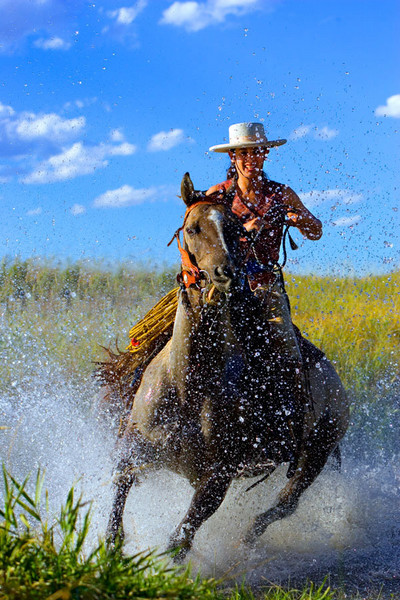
(209, 406)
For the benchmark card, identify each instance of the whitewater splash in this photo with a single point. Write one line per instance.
(347, 524)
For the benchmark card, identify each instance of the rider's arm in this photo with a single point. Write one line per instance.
(214, 188)
(302, 218)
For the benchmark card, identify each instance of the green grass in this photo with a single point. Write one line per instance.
(356, 322)
(41, 561)
(67, 312)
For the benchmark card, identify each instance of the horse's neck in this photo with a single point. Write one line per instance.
(200, 338)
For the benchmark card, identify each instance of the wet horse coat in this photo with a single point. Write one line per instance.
(209, 405)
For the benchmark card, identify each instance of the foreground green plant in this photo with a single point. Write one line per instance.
(38, 560)
(42, 561)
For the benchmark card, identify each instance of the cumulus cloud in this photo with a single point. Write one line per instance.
(29, 126)
(194, 16)
(300, 132)
(78, 209)
(53, 43)
(80, 103)
(391, 108)
(6, 111)
(21, 20)
(318, 197)
(44, 148)
(165, 140)
(127, 14)
(26, 137)
(27, 133)
(325, 133)
(34, 212)
(347, 221)
(319, 133)
(116, 135)
(76, 160)
(125, 196)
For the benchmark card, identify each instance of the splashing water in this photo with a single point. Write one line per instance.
(347, 524)
(54, 428)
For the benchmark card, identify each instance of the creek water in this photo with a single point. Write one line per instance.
(347, 525)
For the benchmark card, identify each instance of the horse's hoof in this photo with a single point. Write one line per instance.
(179, 555)
(114, 538)
(255, 531)
(178, 552)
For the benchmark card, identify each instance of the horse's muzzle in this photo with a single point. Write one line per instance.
(225, 277)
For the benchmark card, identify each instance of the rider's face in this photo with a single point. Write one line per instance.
(249, 161)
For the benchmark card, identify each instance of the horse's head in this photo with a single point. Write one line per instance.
(211, 234)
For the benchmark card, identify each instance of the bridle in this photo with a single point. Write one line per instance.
(191, 275)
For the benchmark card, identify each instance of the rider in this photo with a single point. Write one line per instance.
(264, 206)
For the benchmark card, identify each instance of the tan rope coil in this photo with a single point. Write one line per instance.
(154, 323)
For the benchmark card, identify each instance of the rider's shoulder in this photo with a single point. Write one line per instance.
(219, 187)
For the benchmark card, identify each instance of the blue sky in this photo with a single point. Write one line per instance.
(105, 105)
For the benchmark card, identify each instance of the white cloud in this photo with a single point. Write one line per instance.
(50, 126)
(318, 133)
(53, 43)
(194, 16)
(347, 221)
(127, 14)
(23, 20)
(116, 135)
(326, 133)
(317, 197)
(391, 108)
(165, 140)
(76, 160)
(124, 149)
(300, 132)
(82, 103)
(34, 212)
(6, 111)
(78, 209)
(125, 196)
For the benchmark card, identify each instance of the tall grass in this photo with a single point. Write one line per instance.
(41, 560)
(356, 322)
(67, 312)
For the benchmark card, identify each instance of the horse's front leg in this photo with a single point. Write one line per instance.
(125, 475)
(208, 497)
(123, 482)
(316, 450)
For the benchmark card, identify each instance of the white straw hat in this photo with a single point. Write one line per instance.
(247, 135)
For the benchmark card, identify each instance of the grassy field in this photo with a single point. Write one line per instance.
(67, 312)
(60, 315)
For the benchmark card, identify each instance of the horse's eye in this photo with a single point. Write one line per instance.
(192, 231)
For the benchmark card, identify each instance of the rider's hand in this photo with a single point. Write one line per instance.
(254, 224)
(293, 217)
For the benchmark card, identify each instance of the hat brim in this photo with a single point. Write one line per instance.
(228, 147)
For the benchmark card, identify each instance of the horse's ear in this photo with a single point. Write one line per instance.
(187, 190)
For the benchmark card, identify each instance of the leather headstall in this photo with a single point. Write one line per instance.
(190, 274)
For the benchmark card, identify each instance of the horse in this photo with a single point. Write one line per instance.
(208, 406)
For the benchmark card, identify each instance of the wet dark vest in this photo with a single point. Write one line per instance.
(273, 212)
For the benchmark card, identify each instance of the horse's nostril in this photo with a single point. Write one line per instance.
(224, 271)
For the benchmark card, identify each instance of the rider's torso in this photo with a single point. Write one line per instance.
(272, 209)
